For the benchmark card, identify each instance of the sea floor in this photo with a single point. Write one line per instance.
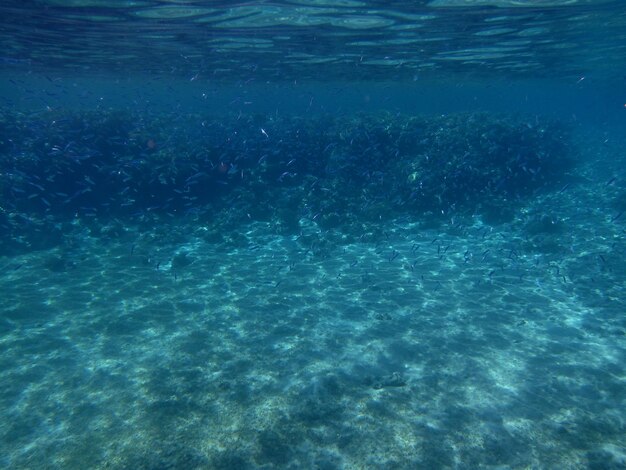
(464, 346)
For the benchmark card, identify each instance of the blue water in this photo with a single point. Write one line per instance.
(312, 234)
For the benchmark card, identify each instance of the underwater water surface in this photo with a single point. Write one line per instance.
(312, 234)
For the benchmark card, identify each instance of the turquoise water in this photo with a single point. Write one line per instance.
(312, 234)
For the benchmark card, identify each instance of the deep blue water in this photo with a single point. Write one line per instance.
(334, 234)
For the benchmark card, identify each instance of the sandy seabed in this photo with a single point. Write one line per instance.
(462, 346)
